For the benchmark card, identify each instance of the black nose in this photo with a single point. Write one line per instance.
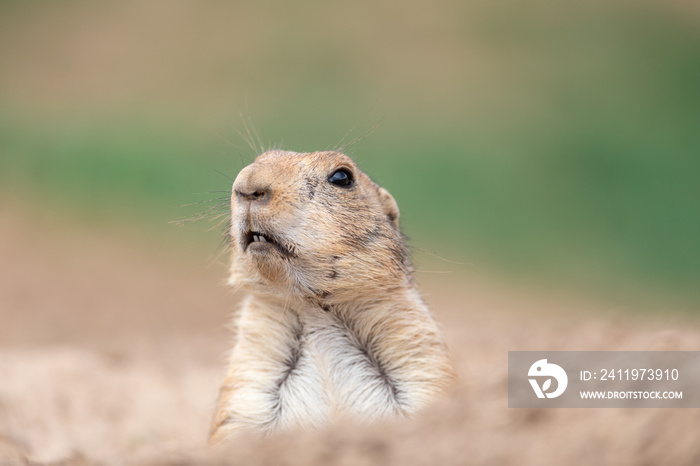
(255, 195)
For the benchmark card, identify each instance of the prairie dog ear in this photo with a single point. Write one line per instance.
(391, 208)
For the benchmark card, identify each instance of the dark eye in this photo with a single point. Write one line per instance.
(341, 177)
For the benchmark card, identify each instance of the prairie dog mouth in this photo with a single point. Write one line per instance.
(258, 241)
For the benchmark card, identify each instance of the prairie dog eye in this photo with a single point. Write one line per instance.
(341, 177)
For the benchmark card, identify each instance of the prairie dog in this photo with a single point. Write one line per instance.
(332, 323)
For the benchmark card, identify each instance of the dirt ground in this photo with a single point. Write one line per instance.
(111, 351)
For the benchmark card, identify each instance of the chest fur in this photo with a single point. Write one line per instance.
(334, 370)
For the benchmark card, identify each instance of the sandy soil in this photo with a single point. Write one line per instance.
(111, 353)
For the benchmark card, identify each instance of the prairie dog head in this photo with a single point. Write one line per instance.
(312, 225)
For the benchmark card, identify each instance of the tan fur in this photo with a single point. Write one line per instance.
(333, 323)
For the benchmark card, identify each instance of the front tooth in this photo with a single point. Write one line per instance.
(262, 238)
(255, 238)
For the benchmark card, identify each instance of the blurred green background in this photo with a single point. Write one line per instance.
(551, 142)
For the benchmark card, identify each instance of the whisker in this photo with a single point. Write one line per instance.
(215, 218)
(250, 126)
(253, 141)
(339, 146)
(257, 135)
(363, 136)
(239, 151)
(244, 136)
(221, 199)
(224, 175)
(214, 210)
(430, 253)
(226, 219)
(217, 134)
(343, 147)
(213, 192)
